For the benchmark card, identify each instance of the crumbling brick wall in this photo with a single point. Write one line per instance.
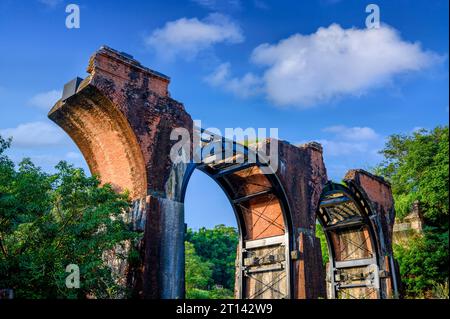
(379, 194)
(121, 117)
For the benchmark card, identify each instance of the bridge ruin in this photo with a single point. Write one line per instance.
(121, 117)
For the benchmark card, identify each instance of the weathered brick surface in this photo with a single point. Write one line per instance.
(104, 137)
(302, 173)
(121, 118)
(379, 193)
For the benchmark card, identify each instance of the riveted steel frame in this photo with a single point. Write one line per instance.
(364, 219)
(276, 189)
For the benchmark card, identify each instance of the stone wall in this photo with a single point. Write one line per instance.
(408, 227)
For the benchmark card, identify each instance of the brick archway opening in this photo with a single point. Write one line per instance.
(209, 218)
(353, 270)
(263, 263)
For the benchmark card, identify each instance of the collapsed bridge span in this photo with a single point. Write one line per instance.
(121, 117)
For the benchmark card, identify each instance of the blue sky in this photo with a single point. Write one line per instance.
(309, 68)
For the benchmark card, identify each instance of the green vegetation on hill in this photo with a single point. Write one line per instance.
(417, 166)
(48, 221)
(210, 262)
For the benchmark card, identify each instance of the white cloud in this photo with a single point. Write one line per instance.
(352, 133)
(187, 37)
(34, 134)
(355, 141)
(45, 100)
(246, 86)
(346, 147)
(339, 148)
(305, 70)
(308, 69)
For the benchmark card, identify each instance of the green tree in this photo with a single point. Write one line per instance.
(199, 281)
(417, 167)
(323, 243)
(217, 246)
(48, 221)
(198, 272)
(423, 262)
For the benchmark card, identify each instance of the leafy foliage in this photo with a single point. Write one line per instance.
(323, 243)
(218, 246)
(423, 262)
(210, 262)
(48, 221)
(198, 272)
(417, 167)
(440, 290)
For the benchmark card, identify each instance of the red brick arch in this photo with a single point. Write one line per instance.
(105, 138)
(121, 117)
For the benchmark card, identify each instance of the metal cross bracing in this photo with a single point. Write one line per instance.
(358, 245)
(354, 261)
(259, 204)
(360, 281)
(265, 269)
(260, 216)
(269, 286)
(368, 293)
